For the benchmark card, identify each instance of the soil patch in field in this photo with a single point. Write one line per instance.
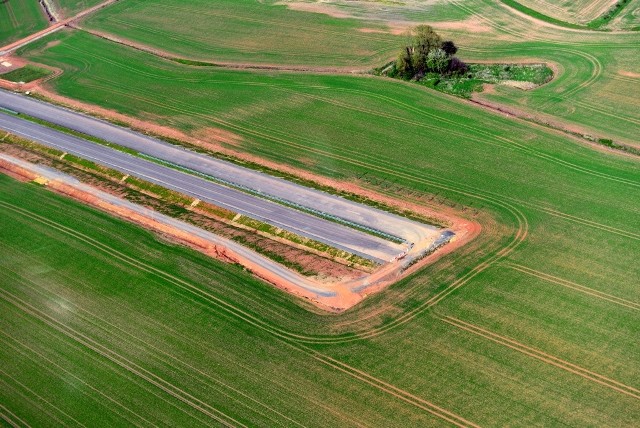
(471, 25)
(324, 8)
(631, 74)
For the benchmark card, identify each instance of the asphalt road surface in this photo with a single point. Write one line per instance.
(410, 231)
(267, 264)
(331, 233)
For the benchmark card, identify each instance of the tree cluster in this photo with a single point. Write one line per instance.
(425, 52)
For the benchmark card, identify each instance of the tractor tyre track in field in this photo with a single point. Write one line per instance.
(572, 285)
(544, 357)
(169, 388)
(94, 320)
(56, 370)
(11, 418)
(117, 359)
(40, 399)
(147, 387)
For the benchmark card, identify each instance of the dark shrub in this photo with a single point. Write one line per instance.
(457, 66)
(449, 47)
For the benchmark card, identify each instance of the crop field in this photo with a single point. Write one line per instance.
(580, 12)
(535, 322)
(199, 342)
(596, 78)
(69, 8)
(19, 18)
(231, 31)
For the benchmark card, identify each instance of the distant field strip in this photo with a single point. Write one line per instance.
(544, 357)
(241, 23)
(572, 285)
(185, 107)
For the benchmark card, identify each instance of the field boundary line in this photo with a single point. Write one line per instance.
(572, 285)
(543, 356)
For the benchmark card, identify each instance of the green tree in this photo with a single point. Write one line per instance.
(425, 39)
(437, 61)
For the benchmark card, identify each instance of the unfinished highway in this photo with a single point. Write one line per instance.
(331, 233)
(275, 187)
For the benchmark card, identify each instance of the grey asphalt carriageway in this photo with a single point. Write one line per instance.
(269, 265)
(334, 234)
(367, 216)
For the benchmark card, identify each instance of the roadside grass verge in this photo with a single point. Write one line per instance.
(26, 74)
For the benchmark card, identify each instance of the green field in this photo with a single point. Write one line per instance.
(25, 74)
(594, 92)
(150, 333)
(237, 31)
(535, 322)
(69, 8)
(19, 18)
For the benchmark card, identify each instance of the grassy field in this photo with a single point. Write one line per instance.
(19, 18)
(237, 31)
(535, 322)
(122, 328)
(594, 92)
(580, 12)
(69, 8)
(25, 74)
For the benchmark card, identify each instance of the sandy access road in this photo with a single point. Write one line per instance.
(412, 232)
